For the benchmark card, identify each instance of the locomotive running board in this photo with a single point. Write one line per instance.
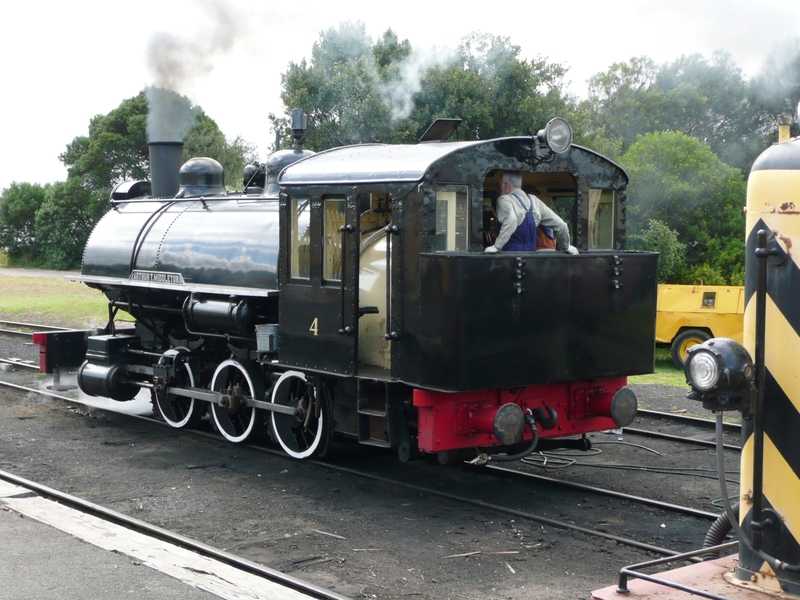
(223, 290)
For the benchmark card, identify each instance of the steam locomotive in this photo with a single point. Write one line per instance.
(347, 293)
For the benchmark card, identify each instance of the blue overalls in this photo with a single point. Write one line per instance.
(524, 236)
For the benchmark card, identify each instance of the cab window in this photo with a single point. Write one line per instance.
(601, 218)
(300, 238)
(564, 207)
(333, 220)
(555, 190)
(452, 210)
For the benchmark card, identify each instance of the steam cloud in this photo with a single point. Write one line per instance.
(174, 62)
(169, 115)
(776, 85)
(350, 44)
(400, 92)
(476, 50)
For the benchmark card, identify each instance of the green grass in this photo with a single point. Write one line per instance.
(666, 373)
(51, 302)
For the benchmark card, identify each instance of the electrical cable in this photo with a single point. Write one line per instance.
(719, 503)
(561, 460)
(628, 444)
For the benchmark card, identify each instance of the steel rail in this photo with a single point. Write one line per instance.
(455, 497)
(433, 492)
(707, 423)
(463, 499)
(495, 507)
(35, 326)
(677, 438)
(687, 510)
(41, 392)
(20, 364)
(177, 539)
(16, 333)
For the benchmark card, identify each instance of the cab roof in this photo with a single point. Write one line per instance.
(377, 163)
(393, 163)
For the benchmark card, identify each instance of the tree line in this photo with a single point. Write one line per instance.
(686, 131)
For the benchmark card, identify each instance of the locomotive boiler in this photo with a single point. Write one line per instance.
(347, 293)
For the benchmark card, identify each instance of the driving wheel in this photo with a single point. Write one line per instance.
(307, 433)
(179, 411)
(235, 378)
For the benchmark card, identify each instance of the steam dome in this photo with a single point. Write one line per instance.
(201, 177)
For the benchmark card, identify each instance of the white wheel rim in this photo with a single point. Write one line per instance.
(217, 411)
(288, 375)
(189, 413)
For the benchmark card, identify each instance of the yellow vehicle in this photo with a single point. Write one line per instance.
(691, 314)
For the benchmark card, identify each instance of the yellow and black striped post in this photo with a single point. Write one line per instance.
(773, 205)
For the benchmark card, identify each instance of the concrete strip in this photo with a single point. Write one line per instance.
(203, 573)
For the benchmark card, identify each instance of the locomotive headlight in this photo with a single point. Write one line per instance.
(557, 135)
(703, 371)
(721, 374)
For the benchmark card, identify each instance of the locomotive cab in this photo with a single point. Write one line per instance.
(383, 277)
(383, 271)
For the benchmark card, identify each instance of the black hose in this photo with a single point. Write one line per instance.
(718, 530)
(497, 458)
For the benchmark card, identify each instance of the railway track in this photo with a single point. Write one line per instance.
(619, 527)
(679, 421)
(526, 480)
(275, 580)
(667, 506)
(677, 438)
(504, 472)
(25, 330)
(708, 424)
(18, 330)
(20, 364)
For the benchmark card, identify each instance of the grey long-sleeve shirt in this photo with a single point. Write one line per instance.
(509, 211)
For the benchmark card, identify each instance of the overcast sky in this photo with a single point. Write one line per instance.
(63, 63)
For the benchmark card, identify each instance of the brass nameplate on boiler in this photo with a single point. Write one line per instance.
(157, 277)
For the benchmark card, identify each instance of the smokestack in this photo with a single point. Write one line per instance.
(784, 123)
(166, 159)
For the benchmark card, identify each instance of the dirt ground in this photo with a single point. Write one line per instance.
(361, 537)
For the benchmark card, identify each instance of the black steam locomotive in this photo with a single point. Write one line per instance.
(347, 292)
